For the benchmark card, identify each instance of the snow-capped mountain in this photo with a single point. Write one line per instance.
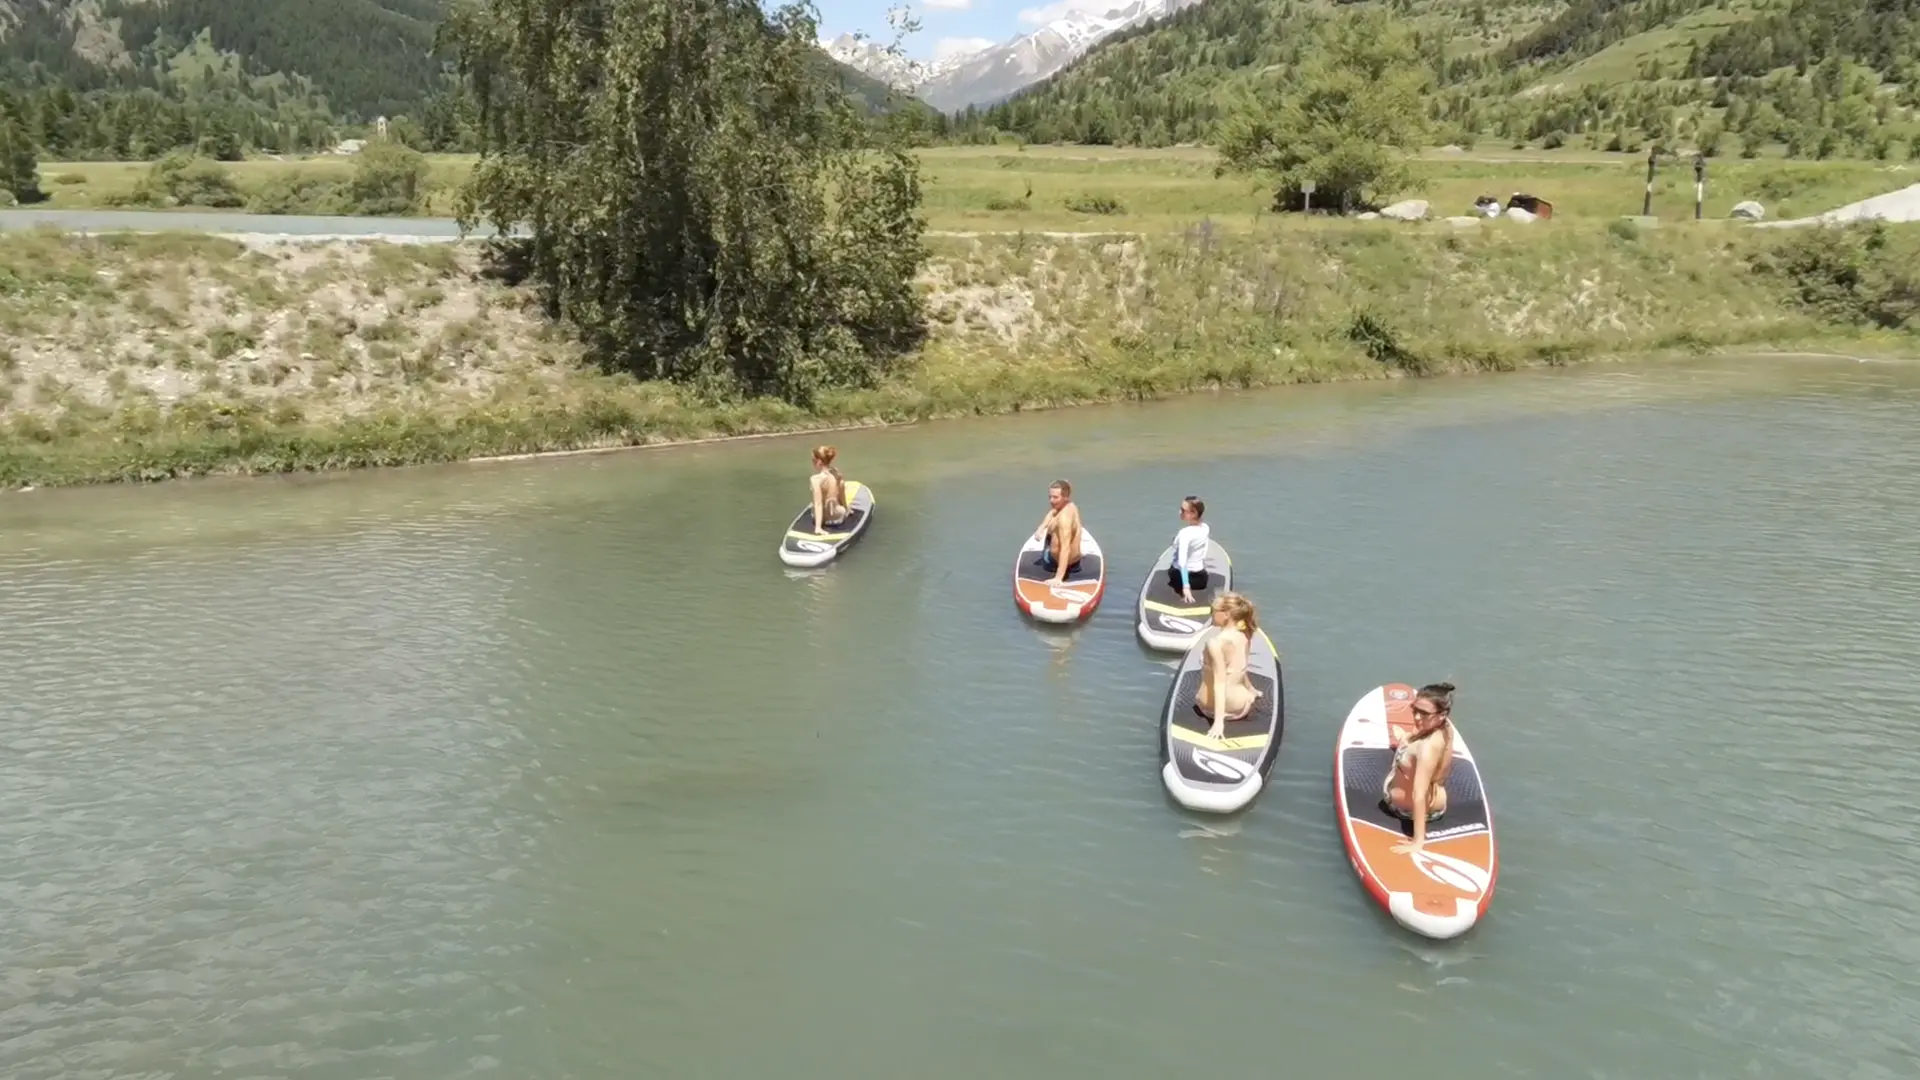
(899, 72)
(998, 72)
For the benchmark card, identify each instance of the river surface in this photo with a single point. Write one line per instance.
(550, 769)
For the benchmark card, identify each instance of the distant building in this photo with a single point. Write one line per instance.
(354, 146)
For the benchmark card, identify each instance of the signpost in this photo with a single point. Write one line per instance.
(1306, 195)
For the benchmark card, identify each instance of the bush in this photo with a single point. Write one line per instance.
(1095, 204)
(1850, 274)
(298, 193)
(389, 180)
(1624, 228)
(182, 179)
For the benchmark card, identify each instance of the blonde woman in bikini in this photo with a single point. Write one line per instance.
(1416, 786)
(1223, 668)
(829, 490)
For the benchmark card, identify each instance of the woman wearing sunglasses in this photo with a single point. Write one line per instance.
(1416, 787)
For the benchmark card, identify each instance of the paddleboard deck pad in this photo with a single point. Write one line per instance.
(1442, 890)
(1167, 621)
(1074, 598)
(805, 546)
(1225, 774)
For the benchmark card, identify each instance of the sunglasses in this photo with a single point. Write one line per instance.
(1426, 712)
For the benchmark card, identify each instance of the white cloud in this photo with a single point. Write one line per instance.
(1060, 8)
(948, 5)
(948, 48)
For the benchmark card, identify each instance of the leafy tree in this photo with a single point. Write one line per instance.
(182, 179)
(19, 158)
(704, 204)
(389, 179)
(221, 144)
(1344, 119)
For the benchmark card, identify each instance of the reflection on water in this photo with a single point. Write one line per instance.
(552, 769)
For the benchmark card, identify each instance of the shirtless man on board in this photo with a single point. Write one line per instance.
(1061, 531)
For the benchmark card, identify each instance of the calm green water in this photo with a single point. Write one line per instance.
(552, 770)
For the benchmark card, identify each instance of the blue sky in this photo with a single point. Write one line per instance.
(947, 25)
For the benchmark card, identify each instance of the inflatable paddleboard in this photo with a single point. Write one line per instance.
(1442, 890)
(1167, 621)
(1221, 775)
(804, 546)
(1073, 599)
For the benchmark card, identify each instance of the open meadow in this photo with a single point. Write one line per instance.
(1108, 189)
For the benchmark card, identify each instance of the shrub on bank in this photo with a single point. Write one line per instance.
(1866, 274)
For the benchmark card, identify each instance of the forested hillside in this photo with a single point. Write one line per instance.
(370, 57)
(1820, 76)
(133, 79)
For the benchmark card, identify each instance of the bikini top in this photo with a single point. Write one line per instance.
(1403, 755)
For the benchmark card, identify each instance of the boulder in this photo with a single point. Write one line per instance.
(1749, 211)
(1408, 210)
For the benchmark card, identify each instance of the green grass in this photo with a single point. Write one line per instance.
(1052, 188)
(78, 185)
(146, 357)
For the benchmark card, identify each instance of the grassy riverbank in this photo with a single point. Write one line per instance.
(1071, 188)
(144, 357)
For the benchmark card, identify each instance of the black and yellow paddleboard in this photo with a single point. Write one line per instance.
(1222, 775)
(1167, 621)
(806, 546)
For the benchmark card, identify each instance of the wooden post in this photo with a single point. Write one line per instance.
(1653, 157)
(1699, 185)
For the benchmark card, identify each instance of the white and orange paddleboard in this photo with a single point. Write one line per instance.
(1074, 598)
(1442, 890)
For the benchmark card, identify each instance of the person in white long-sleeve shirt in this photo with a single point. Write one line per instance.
(1189, 568)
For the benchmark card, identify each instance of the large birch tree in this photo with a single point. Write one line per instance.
(704, 202)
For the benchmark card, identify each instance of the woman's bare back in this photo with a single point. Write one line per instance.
(833, 495)
(1228, 648)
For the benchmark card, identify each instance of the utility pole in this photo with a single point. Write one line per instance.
(1653, 158)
